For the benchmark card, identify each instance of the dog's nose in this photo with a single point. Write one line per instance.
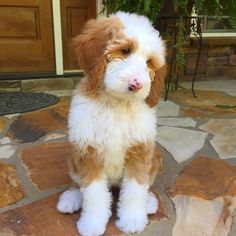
(134, 85)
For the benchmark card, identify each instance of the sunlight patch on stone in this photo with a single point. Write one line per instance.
(167, 108)
(181, 143)
(224, 140)
(172, 121)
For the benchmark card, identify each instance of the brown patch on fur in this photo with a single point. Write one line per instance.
(157, 165)
(142, 163)
(115, 49)
(87, 165)
(156, 87)
(90, 48)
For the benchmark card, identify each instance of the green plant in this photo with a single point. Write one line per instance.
(152, 8)
(149, 8)
(181, 8)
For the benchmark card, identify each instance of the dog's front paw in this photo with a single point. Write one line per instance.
(132, 223)
(70, 201)
(91, 226)
(152, 204)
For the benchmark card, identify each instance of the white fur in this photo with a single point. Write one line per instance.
(96, 209)
(152, 204)
(116, 127)
(112, 123)
(70, 201)
(120, 72)
(132, 207)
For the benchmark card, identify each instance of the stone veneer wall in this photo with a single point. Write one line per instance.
(217, 60)
(37, 85)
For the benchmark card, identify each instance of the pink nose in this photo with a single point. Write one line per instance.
(135, 85)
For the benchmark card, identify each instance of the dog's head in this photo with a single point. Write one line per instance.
(124, 56)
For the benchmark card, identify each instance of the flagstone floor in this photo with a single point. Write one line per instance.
(197, 138)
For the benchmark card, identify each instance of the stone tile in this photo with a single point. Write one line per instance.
(6, 151)
(54, 136)
(60, 93)
(212, 85)
(61, 110)
(5, 140)
(181, 143)
(187, 122)
(47, 84)
(42, 218)
(212, 194)
(167, 108)
(12, 115)
(29, 127)
(203, 217)
(232, 93)
(47, 164)
(10, 187)
(217, 181)
(224, 140)
(10, 85)
(206, 104)
(39, 218)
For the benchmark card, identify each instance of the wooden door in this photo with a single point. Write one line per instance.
(26, 36)
(74, 13)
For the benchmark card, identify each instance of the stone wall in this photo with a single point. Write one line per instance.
(217, 60)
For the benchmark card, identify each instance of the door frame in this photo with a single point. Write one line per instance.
(58, 47)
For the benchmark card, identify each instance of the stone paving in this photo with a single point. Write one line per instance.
(196, 190)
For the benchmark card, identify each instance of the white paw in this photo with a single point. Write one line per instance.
(132, 223)
(70, 201)
(91, 226)
(152, 204)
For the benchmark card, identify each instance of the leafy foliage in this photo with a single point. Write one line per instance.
(152, 8)
(149, 8)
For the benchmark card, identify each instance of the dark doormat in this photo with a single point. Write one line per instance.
(19, 102)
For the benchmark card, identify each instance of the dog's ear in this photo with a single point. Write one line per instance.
(90, 46)
(156, 87)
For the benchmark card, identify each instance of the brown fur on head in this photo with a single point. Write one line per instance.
(102, 41)
(90, 48)
(156, 87)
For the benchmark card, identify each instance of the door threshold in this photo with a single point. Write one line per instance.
(38, 75)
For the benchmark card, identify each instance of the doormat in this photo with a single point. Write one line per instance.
(19, 102)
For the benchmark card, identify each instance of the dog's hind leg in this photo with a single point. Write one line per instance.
(70, 201)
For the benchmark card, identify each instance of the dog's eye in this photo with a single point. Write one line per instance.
(148, 61)
(125, 51)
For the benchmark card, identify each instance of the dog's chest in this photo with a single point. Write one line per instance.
(112, 127)
(111, 130)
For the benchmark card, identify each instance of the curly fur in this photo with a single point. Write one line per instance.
(112, 122)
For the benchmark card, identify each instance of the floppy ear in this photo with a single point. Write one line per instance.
(90, 48)
(156, 87)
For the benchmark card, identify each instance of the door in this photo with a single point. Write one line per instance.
(26, 36)
(74, 13)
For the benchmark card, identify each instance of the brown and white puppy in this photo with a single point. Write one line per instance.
(112, 122)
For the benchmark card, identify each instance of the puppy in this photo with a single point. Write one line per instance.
(112, 123)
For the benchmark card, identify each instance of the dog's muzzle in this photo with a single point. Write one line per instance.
(134, 85)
